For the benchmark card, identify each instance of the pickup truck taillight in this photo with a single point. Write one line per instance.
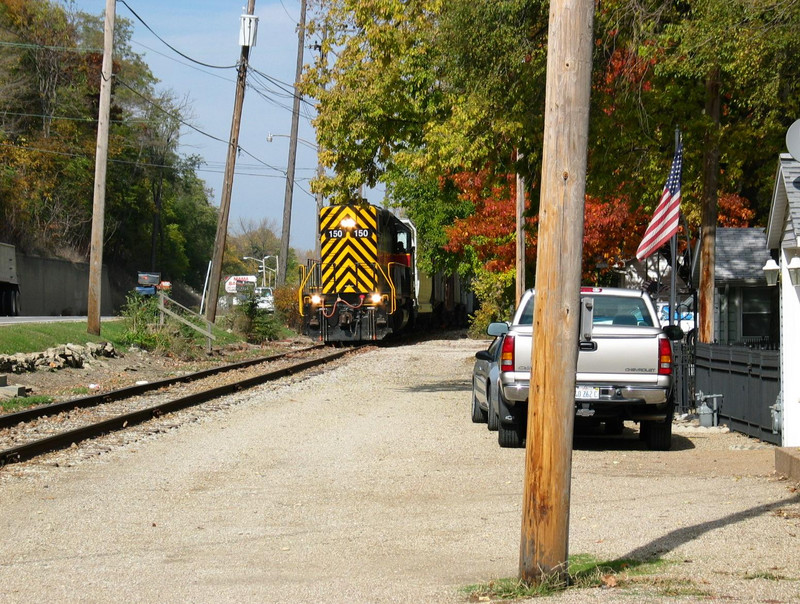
(664, 357)
(507, 354)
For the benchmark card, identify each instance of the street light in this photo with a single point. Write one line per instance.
(264, 268)
(308, 144)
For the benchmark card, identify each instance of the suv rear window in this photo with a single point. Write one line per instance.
(608, 310)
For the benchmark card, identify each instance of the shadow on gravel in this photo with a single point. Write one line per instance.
(442, 386)
(673, 539)
(591, 439)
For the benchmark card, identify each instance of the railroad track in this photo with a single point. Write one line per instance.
(52, 427)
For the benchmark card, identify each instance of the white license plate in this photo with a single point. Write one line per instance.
(583, 393)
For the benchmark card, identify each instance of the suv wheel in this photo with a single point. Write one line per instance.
(493, 419)
(478, 414)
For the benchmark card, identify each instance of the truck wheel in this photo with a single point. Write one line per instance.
(614, 427)
(510, 438)
(478, 414)
(658, 434)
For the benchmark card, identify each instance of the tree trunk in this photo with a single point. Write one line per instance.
(708, 227)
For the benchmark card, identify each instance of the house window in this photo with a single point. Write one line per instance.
(756, 305)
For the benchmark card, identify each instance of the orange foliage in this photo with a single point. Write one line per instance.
(734, 211)
(491, 229)
(611, 228)
(610, 235)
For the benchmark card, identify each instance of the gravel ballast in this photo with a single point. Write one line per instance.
(368, 483)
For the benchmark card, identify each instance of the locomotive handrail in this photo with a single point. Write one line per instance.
(391, 284)
(303, 279)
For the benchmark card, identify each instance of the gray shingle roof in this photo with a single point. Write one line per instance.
(784, 213)
(740, 255)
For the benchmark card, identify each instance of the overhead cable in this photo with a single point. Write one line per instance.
(172, 48)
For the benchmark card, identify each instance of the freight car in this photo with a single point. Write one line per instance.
(363, 285)
(9, 285)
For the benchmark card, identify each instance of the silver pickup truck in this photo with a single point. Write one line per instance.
(624, 367)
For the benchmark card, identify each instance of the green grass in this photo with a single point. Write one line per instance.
(35, 337)
(18, 403)
(586, 572)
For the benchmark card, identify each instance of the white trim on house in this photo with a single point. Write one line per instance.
(783, 234)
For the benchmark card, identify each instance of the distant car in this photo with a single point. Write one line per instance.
(265, 298)
(485, 380)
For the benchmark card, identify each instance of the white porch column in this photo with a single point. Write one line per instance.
(790, 351)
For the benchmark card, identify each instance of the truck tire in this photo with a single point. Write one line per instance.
(478, 414)
(614, 426)
(658, 434)
(510, 438)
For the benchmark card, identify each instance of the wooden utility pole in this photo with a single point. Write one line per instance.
(100, 166)
(227, 184)
(708, 219)
(287, 199)
(551, 408)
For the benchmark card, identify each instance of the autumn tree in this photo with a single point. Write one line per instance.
(50, 78)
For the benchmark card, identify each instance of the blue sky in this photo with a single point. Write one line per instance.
(208, 31)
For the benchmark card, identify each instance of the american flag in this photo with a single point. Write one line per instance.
(665, 219)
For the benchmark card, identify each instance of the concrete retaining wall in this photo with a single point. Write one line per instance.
(55, 287)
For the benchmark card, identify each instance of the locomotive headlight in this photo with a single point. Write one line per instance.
(348, 223)
(375, 298)
(316, 299)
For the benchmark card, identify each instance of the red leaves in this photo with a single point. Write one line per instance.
(734, 211)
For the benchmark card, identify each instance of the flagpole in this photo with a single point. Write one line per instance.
(673, 246)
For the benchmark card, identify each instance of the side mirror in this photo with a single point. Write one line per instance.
(673, 332)
(483, 355)
(497, 329)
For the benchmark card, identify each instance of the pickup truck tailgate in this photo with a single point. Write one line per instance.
(620, 353)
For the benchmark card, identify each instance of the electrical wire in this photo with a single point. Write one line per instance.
(172, 48)
(195, 128)
(190, 66)
(32, 45)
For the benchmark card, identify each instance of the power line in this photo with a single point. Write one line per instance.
(172, 48)
(170, 58)
(33, 45)
(195, 128)
(210, 169)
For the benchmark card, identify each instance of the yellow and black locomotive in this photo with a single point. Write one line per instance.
(363, 285)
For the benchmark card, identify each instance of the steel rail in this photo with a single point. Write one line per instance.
(26, 415)
(67, 439)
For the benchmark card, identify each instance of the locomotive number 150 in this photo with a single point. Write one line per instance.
(339, 233)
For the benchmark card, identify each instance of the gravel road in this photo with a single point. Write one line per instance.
(369, 483)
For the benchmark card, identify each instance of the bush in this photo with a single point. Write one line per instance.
(140, 315)
(286, 306)
(258, 325)
(495, 292)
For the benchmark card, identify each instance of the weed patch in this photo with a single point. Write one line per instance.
(19, 403)
(586, 572)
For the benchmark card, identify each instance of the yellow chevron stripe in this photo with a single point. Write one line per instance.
(347, 260)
